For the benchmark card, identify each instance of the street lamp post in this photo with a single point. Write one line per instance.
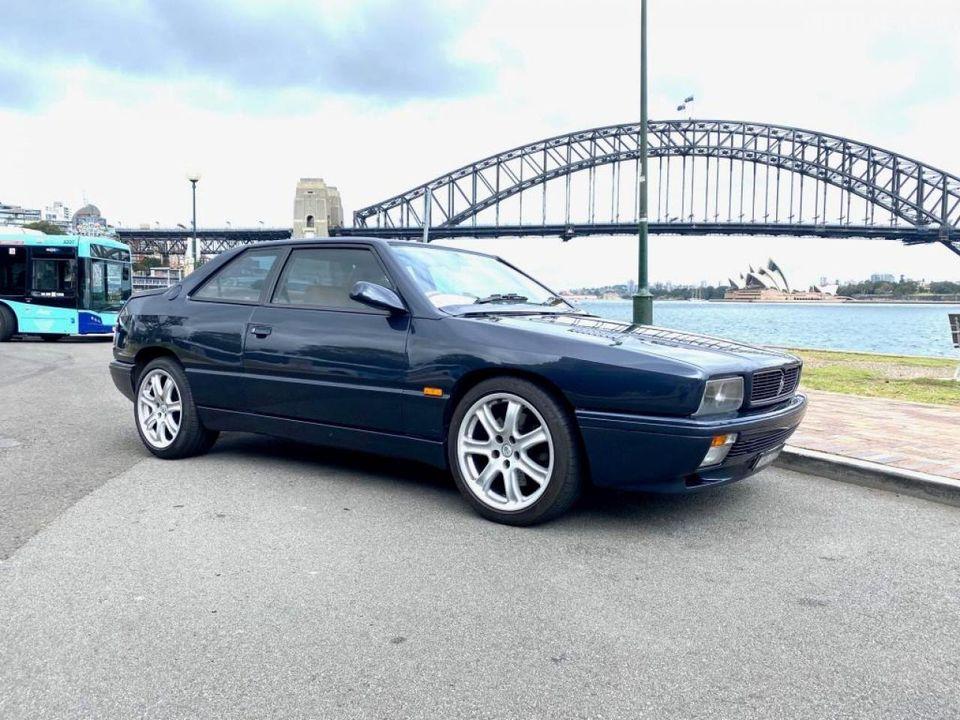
(643, 300)
(194, 254)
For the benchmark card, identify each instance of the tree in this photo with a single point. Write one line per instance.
(144, 264)
(47, 228)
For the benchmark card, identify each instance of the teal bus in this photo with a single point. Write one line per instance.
(60, 285)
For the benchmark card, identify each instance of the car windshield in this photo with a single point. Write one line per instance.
(451, 277)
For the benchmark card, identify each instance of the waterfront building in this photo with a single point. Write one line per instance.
(316, 208)
(884, 277)
(16, 215)
(768, 283)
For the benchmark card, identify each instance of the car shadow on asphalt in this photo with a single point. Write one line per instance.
(324, 457)
(598, 506)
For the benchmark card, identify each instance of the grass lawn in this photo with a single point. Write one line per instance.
(917, 379)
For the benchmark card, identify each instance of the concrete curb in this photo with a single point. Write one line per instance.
(871, 474)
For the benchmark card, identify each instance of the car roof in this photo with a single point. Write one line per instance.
(362, 240)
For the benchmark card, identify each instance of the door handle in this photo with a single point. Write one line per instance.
(260, 331)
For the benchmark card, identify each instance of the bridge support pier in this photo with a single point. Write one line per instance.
(316, 209)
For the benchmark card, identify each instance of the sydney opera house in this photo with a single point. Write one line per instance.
(769, 284)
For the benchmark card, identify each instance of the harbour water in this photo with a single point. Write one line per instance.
(868, 327)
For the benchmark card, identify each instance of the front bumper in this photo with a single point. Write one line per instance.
(122, 374)
(661, 454)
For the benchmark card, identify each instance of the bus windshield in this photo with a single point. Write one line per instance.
(109, 284)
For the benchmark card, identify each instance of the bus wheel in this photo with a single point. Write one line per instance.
(8, 323)
(51, 338)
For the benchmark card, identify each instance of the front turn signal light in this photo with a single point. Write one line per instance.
(719, 447)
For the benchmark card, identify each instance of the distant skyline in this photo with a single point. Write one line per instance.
(117, 102)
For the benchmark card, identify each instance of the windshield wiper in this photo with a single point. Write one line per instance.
(501, 298)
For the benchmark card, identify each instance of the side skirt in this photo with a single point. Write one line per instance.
(370, 441)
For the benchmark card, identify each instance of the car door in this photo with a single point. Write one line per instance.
(211, 334)
(312, 353)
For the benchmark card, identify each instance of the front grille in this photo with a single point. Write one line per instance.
(770, 385)
(750, 443)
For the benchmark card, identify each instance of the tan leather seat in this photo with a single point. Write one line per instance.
(325, 296)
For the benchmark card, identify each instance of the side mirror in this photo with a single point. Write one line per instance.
(377, 296)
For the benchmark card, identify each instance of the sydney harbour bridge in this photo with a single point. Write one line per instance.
(706, 177)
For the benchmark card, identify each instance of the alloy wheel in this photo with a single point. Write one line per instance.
(505, 452)
(159, 408)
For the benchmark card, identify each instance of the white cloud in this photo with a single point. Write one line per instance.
(868, 70)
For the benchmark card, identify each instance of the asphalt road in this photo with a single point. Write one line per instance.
(276, 580)
(64, 431)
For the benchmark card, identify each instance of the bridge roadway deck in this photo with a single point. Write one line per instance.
(277, 580)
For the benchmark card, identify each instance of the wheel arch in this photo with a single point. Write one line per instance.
(475, 377)
(147, 355)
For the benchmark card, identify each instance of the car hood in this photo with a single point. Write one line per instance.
(710, 354)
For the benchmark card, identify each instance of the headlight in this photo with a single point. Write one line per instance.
(722, 395)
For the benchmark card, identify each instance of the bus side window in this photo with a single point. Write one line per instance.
(57, 277)
(13, 271)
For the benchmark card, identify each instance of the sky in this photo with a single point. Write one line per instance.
(115, 102)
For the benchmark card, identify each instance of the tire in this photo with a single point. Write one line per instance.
(8, 323)
(51, 338)
(527, 476)
(177, 432)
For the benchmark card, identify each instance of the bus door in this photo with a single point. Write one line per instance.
(50, 303)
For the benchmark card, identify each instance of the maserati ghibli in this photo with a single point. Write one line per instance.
(448, 357)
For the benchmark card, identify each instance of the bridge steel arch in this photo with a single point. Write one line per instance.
(736, 177)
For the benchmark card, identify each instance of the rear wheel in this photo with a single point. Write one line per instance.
(8, 323)
(514, 452)
(165, 414)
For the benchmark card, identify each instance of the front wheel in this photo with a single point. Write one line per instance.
(8, 323)
(514, 452)
(165, 414)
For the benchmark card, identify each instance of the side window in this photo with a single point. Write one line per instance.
(54, 277)
(242, 279)
(323, 277)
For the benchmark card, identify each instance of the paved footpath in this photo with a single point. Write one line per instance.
(905, 435)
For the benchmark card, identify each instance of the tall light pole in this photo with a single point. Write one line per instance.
(643, 300)
(194, 253)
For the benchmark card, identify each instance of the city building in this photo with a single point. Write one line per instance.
(58, 214)
(884, 277)
(768, 283)
(16, 215)
(316, 208)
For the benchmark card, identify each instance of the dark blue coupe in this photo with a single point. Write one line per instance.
(453, 358)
